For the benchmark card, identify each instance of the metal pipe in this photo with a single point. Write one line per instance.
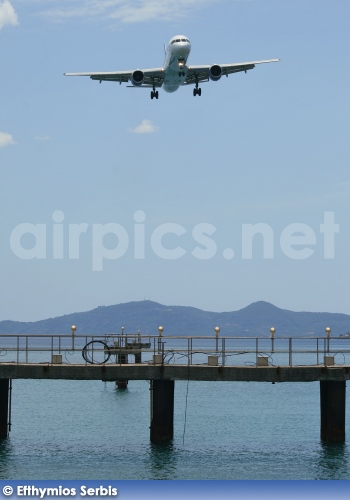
(10, 405)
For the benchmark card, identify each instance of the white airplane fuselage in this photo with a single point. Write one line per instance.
(175, 63)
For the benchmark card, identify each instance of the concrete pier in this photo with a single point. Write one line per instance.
(4, 407)
(332, 387)
(162, 410)
(332, 399)
(113, 372)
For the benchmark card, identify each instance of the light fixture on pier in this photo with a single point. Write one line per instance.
(160, 330)
(272, 331)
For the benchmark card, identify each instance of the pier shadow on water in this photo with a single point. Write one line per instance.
(333, 462)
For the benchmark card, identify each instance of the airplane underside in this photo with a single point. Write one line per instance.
(173, 80)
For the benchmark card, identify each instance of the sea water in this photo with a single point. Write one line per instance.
(222, 430)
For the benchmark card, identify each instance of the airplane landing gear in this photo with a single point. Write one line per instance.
(154, 92)
(197, 90)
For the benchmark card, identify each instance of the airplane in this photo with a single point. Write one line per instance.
(175, 71)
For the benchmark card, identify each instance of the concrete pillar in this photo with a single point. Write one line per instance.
(4, 407)
(162, 410)
(332, 399)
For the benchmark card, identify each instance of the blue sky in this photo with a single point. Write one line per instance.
(167, 194)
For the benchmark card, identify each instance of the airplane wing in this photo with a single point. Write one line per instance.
(153, 75)
(201, 73)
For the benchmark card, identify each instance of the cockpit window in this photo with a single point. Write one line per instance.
(180, 40)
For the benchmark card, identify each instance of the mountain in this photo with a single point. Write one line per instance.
(251, 321)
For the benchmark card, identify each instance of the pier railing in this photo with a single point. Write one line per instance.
(212, 350)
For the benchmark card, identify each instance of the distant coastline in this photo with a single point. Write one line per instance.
(146, 316)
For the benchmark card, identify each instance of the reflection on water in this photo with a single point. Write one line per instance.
(5, 453)
(163, 461)
(333, 462)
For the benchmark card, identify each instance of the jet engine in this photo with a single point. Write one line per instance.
(215, 72)
(137, 78)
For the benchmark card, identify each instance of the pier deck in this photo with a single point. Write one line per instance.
(113, 372)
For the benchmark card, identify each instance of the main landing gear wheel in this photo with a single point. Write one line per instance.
(197, 91)
(155, 94)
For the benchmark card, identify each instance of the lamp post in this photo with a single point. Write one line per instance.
(73, 328)
(217, 331)
(272, 331)
(160, 333)
(328, 331)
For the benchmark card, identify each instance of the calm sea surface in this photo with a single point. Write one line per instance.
(238, 430)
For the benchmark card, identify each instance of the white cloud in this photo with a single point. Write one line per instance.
(126, 11)
(5, 139)
(7, 14)
(145, 127)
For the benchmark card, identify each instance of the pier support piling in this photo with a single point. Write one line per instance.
(332, 399)
(5, 397)
(162, 410)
